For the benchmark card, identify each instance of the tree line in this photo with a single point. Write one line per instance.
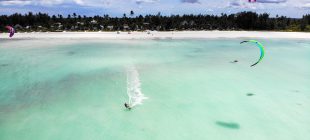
(73, 22)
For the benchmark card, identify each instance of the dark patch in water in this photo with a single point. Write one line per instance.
(296, 91)
(230, 125)
(197, 50)
(190, 55)
(4, 65)
(250, 94)
(71, 53)
(302, 42)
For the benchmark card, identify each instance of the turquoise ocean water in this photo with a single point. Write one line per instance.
(75, 90)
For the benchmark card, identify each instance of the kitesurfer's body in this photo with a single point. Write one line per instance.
(235, 61)
(127, 106)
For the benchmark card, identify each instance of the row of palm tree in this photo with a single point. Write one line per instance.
(73, 22)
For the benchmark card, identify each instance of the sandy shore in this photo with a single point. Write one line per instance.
(161, 35)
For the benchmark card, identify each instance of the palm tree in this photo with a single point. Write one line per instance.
(132, 13)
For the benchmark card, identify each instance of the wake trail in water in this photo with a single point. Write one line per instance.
(134, 87)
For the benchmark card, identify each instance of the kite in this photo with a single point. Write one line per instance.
(11, 30)
(260, 46)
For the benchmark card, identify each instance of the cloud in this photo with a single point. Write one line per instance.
(294, 8)
(190, 1)
(235, 3)
(50, 2)
(94, 3)
(304, 4)
(261, 4)
(15, 2)
(241, 4)
(146, 1)
(80, 2)
(30, 2)
(271, 1)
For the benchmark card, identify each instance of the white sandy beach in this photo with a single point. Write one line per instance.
(160, 35)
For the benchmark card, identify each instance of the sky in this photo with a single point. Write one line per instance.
(290, 8)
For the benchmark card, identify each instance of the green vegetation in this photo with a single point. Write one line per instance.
(240, 21)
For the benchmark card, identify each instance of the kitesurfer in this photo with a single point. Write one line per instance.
(235, 61)
(127, 106)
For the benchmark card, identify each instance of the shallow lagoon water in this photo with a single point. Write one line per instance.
(73, 89)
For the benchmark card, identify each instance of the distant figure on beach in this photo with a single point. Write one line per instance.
(127, 106)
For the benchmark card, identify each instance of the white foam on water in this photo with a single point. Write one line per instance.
(134, 87)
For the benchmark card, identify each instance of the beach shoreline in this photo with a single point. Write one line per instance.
(159, 35)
